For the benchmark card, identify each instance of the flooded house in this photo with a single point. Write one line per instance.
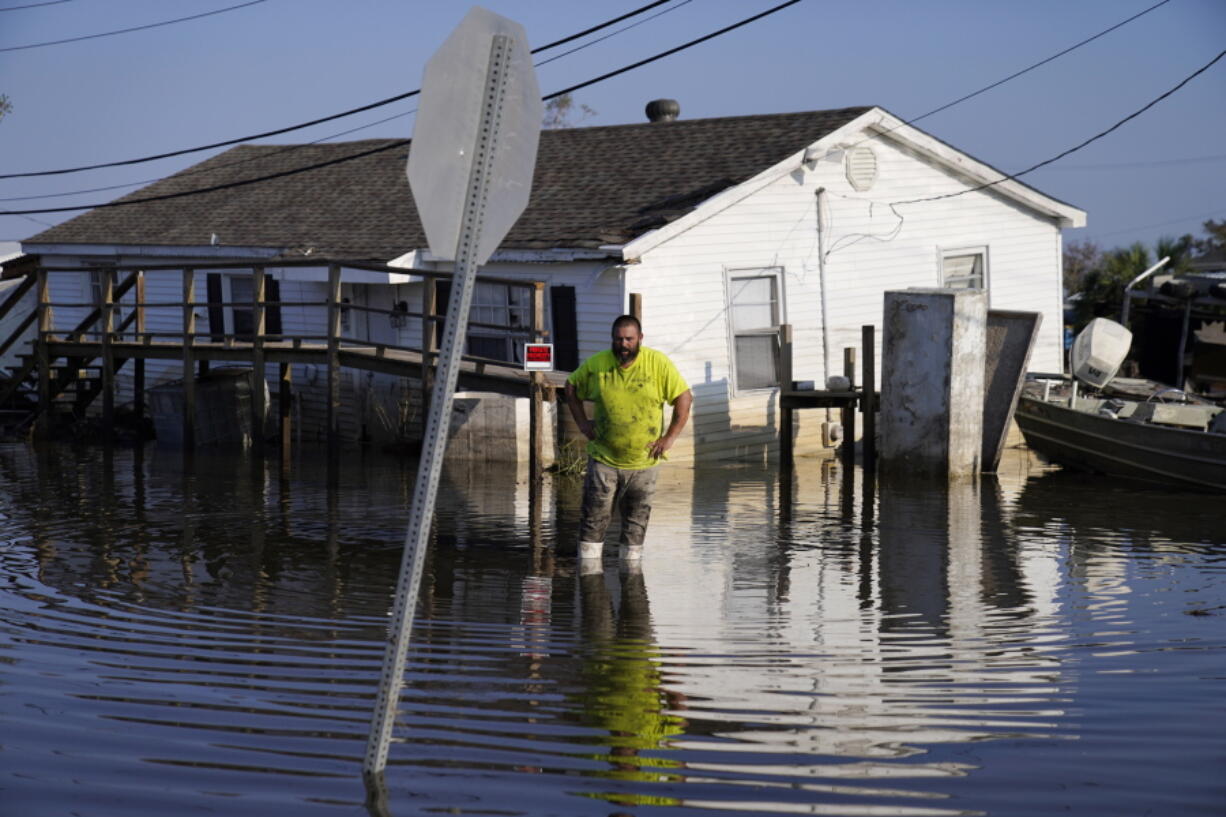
(727, 228)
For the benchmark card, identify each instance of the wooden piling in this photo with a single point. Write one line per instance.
(106, 321)
(189, 363)
(536, 391)
(138, 384)
(848, 411)
(43, 355)
(334, 357)
(285, 401)
(868, 399)
(258, 406)
(786, 413)
(429, 340)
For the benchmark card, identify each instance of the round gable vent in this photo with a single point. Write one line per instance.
(861, 168)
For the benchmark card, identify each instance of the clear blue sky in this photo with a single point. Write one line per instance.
(280, 62)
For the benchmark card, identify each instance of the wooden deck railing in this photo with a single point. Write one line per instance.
(145, 331)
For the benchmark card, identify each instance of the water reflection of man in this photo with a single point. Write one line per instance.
(623, 690)
(629, 385)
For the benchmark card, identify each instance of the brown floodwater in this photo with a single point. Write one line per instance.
(205, 637)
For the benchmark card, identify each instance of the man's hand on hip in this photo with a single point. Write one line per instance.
(657, 448)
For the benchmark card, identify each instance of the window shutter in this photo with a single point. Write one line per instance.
(272, 314)
(565, 322)
(217, 312)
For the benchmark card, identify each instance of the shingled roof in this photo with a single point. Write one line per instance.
(592, 186)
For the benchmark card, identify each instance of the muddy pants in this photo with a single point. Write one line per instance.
(631, 491)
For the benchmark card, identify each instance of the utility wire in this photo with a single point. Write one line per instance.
(1039, 64)
(1189, 160)
(35, 5)
(290, 148)
(400, 143)
(672, 51)
(635, 24)
(378, 104)
(130, 30)
(1183, 220)
(192, 171)
(1076, 148)
(1012, 76)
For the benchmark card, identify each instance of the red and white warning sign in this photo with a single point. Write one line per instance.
(538, 357)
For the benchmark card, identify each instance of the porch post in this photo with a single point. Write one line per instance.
(107, 326)
(43, 355)
(786, 412)
(285, 405)
(429, 340)
(334, 334)
(868, 395)
(848, 418)
(258, 385)
(189, 362)
(138, 385)
(536, 390)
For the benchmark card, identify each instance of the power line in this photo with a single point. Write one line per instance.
(1188, 160)
(1039, 64)
(1012, 76)
(613, 33)
(35, 5)
(195, 171)
(277, 132)
(1076, 148)
(130, 30)
(1183, 220)
(291, 148)
(599, 26)
(401, 142)
(672, 51)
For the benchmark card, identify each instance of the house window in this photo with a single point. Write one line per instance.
(964, 269)
(97, 278)
(242, 291)
(753, 317)
(501, 305)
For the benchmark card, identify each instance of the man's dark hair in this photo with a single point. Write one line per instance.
(627, 320)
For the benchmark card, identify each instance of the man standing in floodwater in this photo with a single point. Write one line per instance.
(629, 385)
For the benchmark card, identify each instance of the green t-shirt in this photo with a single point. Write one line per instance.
(629, 404)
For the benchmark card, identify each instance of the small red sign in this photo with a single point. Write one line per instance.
(538, 357)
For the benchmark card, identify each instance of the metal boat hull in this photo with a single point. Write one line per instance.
(1172, 456)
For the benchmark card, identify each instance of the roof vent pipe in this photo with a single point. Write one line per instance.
(663, 110)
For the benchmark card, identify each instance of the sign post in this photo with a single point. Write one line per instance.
(470, 169)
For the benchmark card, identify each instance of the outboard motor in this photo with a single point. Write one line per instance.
(1099, 351)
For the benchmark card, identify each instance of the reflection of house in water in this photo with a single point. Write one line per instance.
(829, 635)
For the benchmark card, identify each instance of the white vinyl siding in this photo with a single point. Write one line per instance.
(871, 248)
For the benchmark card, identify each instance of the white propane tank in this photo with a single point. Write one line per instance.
(1099, 350)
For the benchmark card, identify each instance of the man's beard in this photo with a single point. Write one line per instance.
(626, 355)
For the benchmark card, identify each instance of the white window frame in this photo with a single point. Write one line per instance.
(498, 303)
(97, 270)
(731, 276)
(945, 255)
